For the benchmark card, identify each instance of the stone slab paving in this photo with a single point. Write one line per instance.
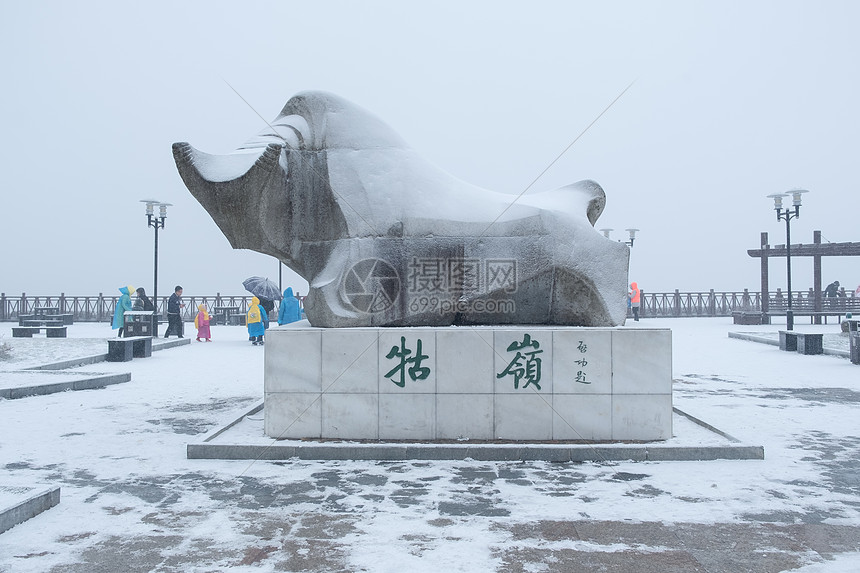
(171, 513)
(656, 547)
(284, 535)
(243, 439)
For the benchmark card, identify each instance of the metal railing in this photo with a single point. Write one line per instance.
(652, 305)
(713, 303)
(689, 304)
(101, 308)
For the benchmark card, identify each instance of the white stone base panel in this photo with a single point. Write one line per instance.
(482, 383)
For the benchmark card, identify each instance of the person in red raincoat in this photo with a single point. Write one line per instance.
(634, 300)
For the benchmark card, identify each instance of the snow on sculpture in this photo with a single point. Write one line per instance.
(384, 238)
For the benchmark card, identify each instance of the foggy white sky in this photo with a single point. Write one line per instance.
(732, 101)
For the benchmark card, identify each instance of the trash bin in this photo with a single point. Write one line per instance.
(746, 317)
(854, 346)
(138, 323)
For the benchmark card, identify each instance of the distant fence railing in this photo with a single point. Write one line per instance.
(652, 305)
(101, 308)
(714, 303)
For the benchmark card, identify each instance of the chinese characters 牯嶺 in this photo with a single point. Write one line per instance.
(525, 365)
(415, 371)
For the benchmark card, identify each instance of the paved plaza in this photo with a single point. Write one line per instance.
(131, 500)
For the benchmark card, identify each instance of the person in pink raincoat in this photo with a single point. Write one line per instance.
(201, 321)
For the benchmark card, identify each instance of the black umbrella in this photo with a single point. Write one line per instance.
(262, 288)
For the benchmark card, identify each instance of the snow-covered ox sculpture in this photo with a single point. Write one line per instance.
(384, 238)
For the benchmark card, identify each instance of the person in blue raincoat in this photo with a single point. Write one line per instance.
(122, 305)
(256, 322)
(289, 311)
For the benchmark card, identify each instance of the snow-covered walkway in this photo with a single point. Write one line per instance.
(132, 501)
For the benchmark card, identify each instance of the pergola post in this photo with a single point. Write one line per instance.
(765, 289)
(816, 277)
(816, 250)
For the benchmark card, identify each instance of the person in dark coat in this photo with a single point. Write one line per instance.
(269, 306)
(831, 291)
(174, 313)
(142, 302)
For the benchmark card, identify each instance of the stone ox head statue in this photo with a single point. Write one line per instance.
(384, 238)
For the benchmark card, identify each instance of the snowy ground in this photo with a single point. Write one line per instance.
(131, 501)
(85, 339)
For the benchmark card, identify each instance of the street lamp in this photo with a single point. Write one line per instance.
(156, 222)
(630, 232)
(787, 215)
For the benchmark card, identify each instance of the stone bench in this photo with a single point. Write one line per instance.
(124, 349)
(811, 314)
(746, 317)
(220, 314)
(801, 342)
(37, 322)
(29, 331)
(50, 320)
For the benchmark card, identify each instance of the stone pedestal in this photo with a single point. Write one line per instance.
(120, 350)
(746, 317)
(481, 383)
(854, 347)
(142, 347)
(810, 343)
(788, 341)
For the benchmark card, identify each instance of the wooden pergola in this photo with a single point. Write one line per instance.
(816, 250)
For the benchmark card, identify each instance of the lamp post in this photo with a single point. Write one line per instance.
(787, 215)
(156, 222)
(630, 232)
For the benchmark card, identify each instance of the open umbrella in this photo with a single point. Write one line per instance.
(263, 288)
